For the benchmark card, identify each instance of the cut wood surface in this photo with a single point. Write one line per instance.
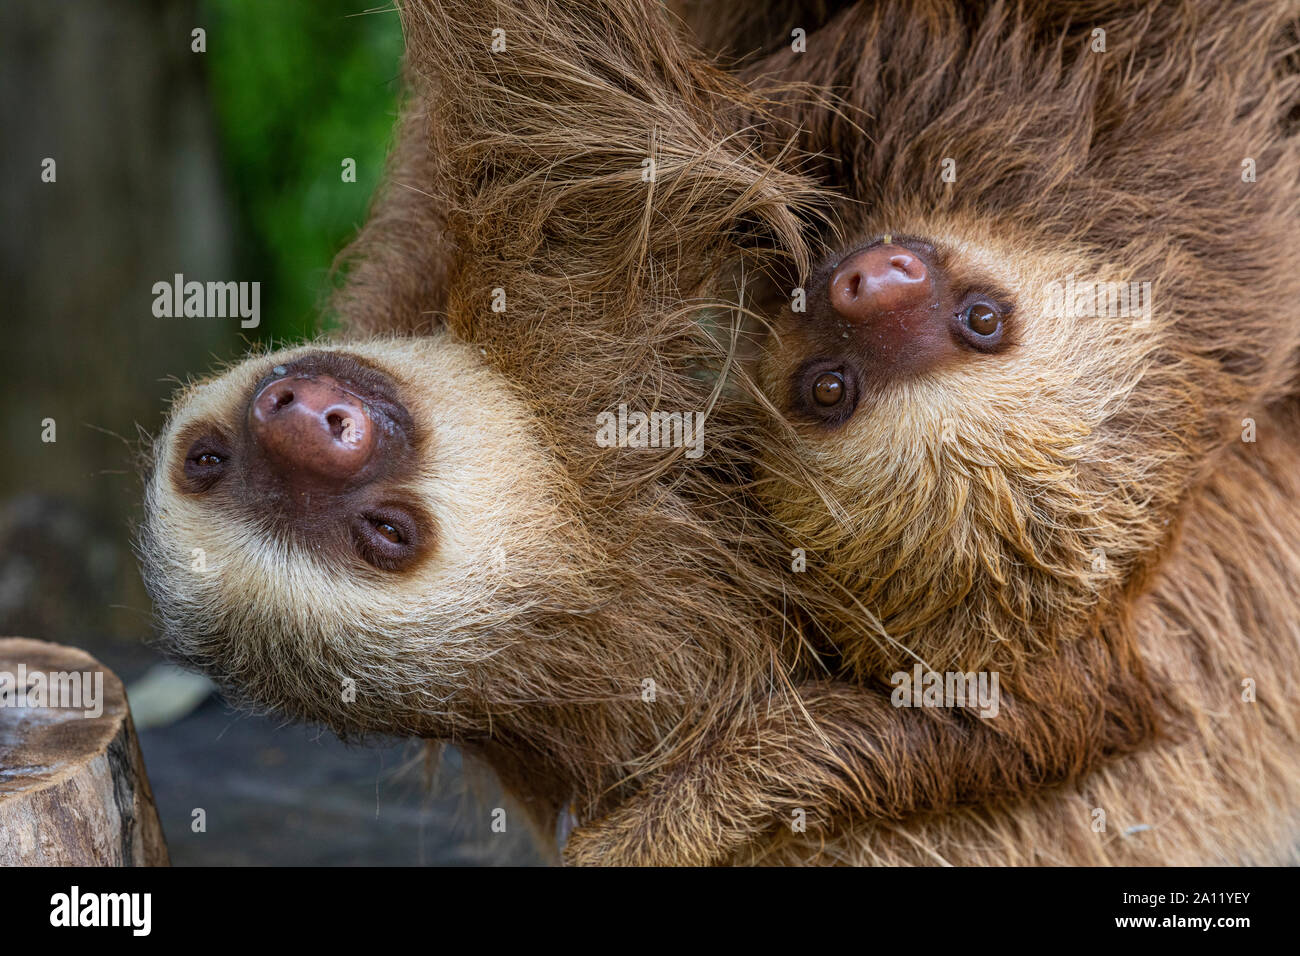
(73, 790)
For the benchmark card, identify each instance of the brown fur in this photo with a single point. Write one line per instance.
(624, 566)
(397, 267)
(978, 555)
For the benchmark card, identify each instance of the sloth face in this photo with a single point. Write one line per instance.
(964, 435)
(982, 460)
(889, 311)
(344, 535)
(325, 453)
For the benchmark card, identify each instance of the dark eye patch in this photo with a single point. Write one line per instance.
(389, 537)
(207, 461)
(825, 390)
(982, 322)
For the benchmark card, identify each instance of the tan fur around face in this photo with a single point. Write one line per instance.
(286, 627)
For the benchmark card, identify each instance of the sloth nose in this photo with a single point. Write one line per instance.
(877, 281)
(311, 427)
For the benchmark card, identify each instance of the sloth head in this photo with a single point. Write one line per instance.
(346, 534)
(955, 472)
(992, 436)
(1044, 311)
(379, 537)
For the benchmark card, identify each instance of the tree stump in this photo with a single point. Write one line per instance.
(73, 790)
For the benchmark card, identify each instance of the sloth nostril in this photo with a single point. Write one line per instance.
(342, 427)
(853, 286)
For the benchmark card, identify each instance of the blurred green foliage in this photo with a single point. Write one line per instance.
(299, 86)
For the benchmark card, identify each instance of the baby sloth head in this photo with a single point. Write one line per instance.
(970, 458)
(328, 531)
(1048, 311)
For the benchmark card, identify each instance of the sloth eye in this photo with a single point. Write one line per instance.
(825, 390)
(828, 389)
(205, 463)
(981, 324)
(982, 319)
(388, 538)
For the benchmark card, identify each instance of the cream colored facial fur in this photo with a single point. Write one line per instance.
(290, 629)
(992, 487)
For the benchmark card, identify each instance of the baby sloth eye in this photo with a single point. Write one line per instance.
(825, 390)
(981, 325)
(828, 389)
(388, 531)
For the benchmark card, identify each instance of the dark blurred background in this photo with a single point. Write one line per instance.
(221, 165)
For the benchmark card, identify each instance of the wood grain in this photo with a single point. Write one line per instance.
(73, 789)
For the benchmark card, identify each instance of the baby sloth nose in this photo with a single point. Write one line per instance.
(878, 281)
(310, 427)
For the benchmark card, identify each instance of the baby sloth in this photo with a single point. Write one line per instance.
(1019, 431)
(1037, 415)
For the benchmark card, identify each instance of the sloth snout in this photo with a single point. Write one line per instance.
(888, 310)
(311, 428)
(878, 281)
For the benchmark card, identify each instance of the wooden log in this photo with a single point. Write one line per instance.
(73, 790)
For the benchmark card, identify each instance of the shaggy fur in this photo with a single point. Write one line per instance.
(397, 268)
(1121, 680)
(1009, 477)
(566, 575)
